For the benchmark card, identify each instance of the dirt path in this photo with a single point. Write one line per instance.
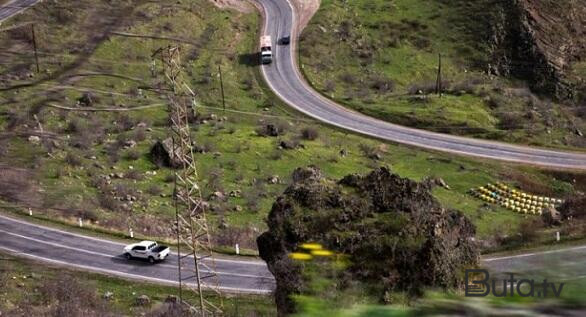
(306, 9)
(237, 5)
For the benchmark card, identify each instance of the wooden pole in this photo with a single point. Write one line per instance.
(438, 84)
(222, 87)
(35, 47)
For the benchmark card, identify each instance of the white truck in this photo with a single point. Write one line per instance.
(266, 53)
(148, 250)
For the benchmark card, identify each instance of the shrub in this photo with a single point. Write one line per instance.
(348, 78)
(381, 84)
(108, 202)
(422, 88)
(134, 174)
(73, 159)
(170, 178)
(309, 133)
(154, 190)
(132, 155)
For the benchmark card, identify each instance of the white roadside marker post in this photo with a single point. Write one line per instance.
(131, 233)
(80, 222)
(557, 236)
(237, 249)
(30, 212)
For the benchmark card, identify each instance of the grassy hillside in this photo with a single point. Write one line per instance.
(381, 58)
(96, 164)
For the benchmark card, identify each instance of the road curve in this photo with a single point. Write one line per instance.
(104, 256)
(15, 6)
(284, 78)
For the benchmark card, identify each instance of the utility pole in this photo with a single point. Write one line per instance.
(35, 47)
(190, 221)
(438, 83)
(222, 87)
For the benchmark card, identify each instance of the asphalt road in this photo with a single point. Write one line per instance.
(286, 81)
(15, 6)
(562, 264)
(104, 256)
(85, 253)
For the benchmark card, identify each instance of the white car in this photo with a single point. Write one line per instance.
(148, 250)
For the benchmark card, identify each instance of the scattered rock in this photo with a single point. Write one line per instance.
(172, 299)
(272, 130)
(34, 139)
(108, 295)
(217, 154)
(442, 183)
(238, 208)
(141, 125)
(289, 144)
(143, 300)
(578, 132)
(274, 179)
(223, 224)
(551, 216)
(343, 153)
(86, 100)
(235, 193)
(217, 196)
(129, 144)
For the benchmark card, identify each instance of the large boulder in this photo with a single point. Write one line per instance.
(163, 154)
(394, 231)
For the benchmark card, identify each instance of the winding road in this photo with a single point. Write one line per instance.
(86, 253)
(15, 6)
(284, 78)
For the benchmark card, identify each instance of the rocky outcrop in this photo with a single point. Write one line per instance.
(538, 41)
(574, 208)
(394, 231)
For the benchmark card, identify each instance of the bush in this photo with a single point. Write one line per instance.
(309, 134)
(381, 84)
(134, 174)
(108, 202)
(65, 296)
(73, 159)
(170, 178)
(154, 190)
(271, 128)
(348, 78)
(422, 88)
(132, 155)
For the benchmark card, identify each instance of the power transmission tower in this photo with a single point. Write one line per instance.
(196, 267)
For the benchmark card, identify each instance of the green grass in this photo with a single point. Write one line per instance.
(351, 49)
(246, 160)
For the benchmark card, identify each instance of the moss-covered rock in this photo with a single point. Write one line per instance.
(394, 231)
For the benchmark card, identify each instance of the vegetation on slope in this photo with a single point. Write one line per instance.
(96, 164)
(381, 58)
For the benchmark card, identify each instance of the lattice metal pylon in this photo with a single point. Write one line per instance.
(196, 267)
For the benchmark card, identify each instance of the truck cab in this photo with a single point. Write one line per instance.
(148, 250)
(266, 53)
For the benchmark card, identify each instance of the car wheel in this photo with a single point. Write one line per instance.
(151, 260)
(128, 256)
